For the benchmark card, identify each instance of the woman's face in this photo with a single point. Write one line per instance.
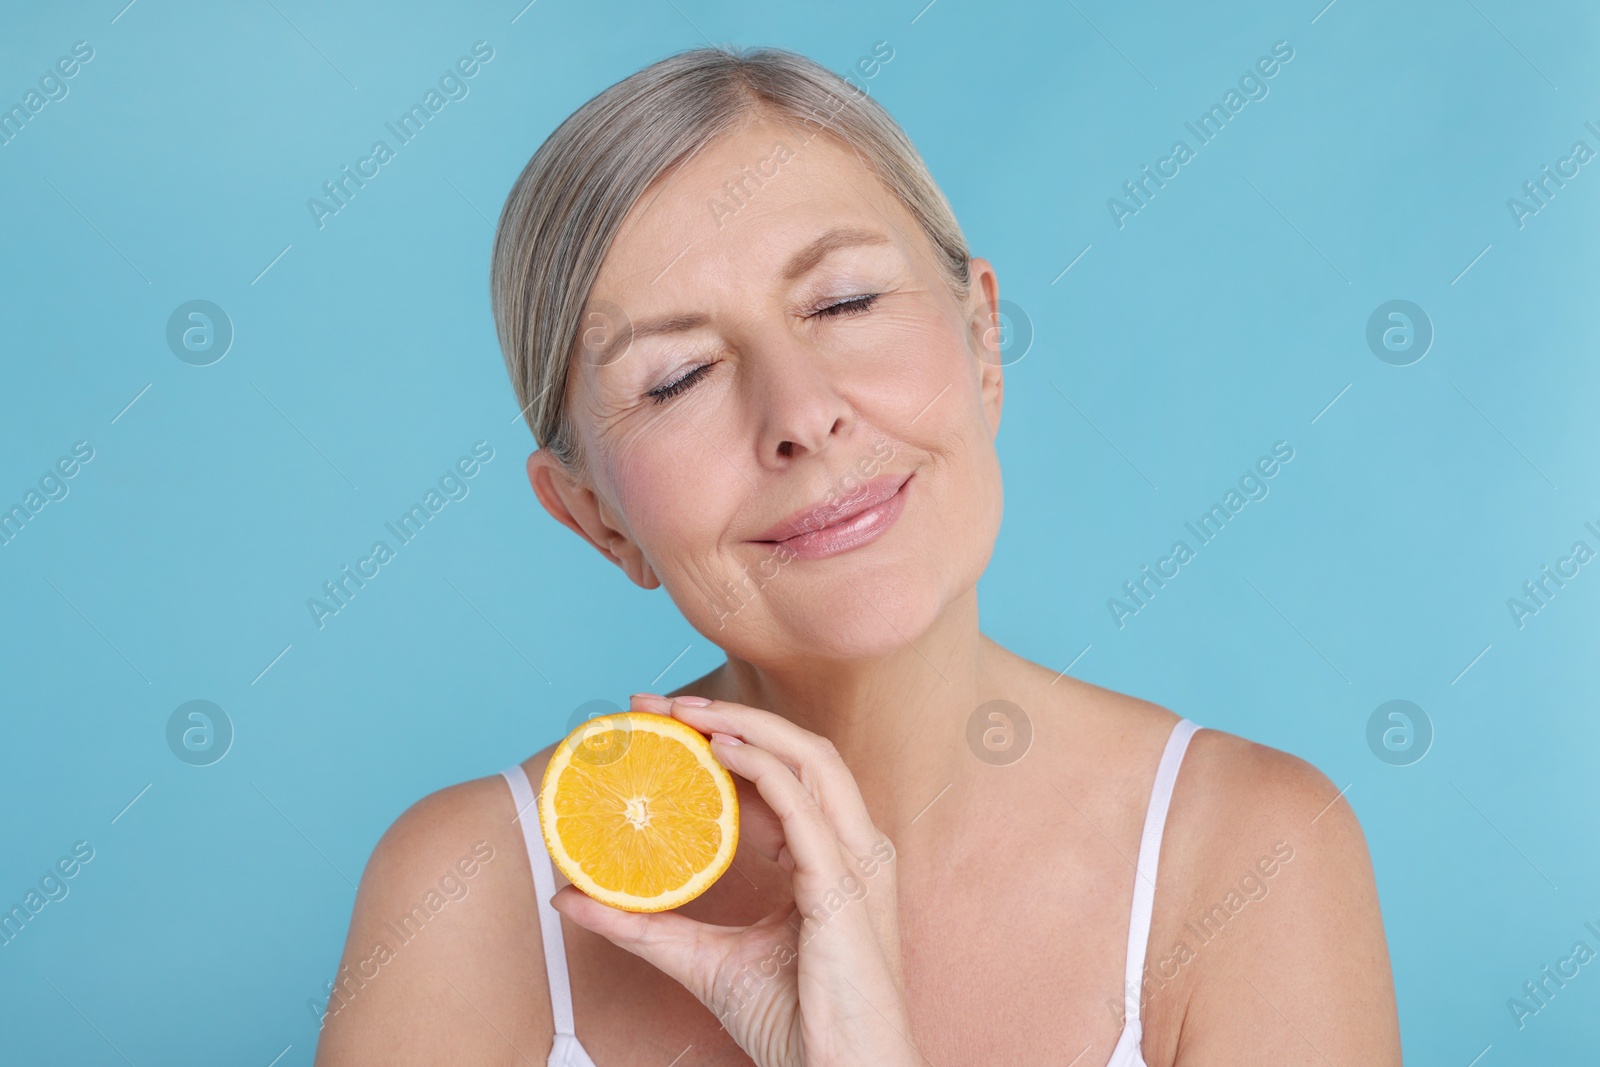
(788, 420)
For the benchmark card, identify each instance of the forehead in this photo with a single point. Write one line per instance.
(732, 213)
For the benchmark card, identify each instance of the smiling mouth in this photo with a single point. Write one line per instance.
(831, 529)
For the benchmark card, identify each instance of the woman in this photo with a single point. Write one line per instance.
(763, 373)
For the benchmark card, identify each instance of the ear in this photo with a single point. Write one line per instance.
(577, 507)
(983, 312)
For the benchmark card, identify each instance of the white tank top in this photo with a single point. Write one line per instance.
(567, 1051)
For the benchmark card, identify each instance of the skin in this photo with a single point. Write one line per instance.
(998, 932)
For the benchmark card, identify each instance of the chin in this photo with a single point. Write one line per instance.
(863, 631)
(867, 614)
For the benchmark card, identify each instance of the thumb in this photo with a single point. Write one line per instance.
(677, 945)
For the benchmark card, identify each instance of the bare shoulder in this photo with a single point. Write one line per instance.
(1266, 938)
(1237, 789)
(443, 960)
(1267, 932)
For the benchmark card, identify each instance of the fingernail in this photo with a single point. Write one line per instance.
(692, 702)
(651, 696)
(652, 701)
(727, 739)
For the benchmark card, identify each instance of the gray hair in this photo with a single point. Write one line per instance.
(567, 205)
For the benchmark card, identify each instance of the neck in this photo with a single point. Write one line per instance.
(898, 720)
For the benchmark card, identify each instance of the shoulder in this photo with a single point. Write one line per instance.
(1266, 936)
(437, 825)
(1241, 789)
(1268, 927)
(442, 834)
(443, 934)
(1240, 807)
(1229, 791)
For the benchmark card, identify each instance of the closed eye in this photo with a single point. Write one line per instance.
(662, 393)
(854, 306)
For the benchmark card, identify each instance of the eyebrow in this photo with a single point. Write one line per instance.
(799, 264)
(838, 237)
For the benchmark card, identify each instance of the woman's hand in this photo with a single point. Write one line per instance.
(817, 983)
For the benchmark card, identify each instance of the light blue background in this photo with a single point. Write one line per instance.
(1226, 315)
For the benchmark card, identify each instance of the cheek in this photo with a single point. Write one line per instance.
(926, 390)
(672, 496)
(907, 363)
(647, 489)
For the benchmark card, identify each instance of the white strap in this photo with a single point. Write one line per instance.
(1144, 883)
(544, 881)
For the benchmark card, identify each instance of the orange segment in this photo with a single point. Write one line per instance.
(637, 812)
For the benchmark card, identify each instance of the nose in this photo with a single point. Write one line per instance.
(801, 410)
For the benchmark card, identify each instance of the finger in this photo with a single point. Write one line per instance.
(813, 759)
(758, 823)
(809, 840)
(681, 947)
(650, 702)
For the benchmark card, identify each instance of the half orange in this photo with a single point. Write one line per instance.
(637, 812)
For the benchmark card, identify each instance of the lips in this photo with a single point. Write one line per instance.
(841, 524)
